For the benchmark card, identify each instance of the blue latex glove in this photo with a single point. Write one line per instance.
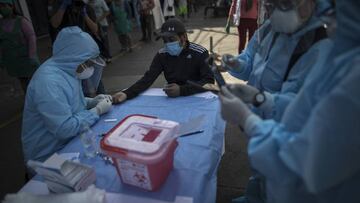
(65, 4)
(232, 63)
(245, 92)
(102, 107)
(92, 102)
(233, 110)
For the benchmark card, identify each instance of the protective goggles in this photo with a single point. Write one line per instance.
(97, 62)
(283, 5)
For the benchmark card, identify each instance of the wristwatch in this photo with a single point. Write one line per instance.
(259, 99)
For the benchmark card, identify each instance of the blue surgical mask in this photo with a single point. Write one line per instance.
(285, 21)
(173, 48)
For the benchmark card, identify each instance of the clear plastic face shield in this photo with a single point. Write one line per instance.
(288, 16)
(90, 84)
(282, 5)
(86, 69)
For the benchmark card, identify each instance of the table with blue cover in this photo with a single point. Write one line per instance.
(196, 158)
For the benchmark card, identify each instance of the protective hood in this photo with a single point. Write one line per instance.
(322, 6)
(71, 48)
(348, 30)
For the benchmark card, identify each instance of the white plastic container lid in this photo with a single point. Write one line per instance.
(142, 134)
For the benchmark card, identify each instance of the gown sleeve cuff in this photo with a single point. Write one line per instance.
(268, 105)
(250, 124)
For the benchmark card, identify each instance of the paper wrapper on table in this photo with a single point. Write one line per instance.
(142, 149)
(63, 175)
(90, 195)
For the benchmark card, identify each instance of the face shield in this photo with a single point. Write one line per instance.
(289, 16)
(90, 84)
(87, 69)
(282, 5)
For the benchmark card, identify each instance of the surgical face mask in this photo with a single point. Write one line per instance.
(173, 48)
(285, 21)
(86, 73)
(89, 66)
(5, 11)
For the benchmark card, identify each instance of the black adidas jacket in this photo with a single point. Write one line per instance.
(189, 65)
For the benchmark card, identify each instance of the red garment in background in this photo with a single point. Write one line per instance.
(248, 21)
(246, 25)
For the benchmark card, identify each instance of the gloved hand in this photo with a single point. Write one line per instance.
(119, 97)
(65, 4)
(172, 90)
(217, 61)
(245, 92)
(102, 107)
(92, 102)
(232, 63)
(233, 109)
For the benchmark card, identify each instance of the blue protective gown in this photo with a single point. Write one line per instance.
(276, 103)
(55, 107)
(267, 58)
(312, 155)
(266, 62)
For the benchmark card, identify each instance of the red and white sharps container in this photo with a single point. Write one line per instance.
(142, 149)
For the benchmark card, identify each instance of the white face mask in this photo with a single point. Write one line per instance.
(285, 21)
(87, 73)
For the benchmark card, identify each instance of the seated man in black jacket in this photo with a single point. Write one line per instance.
(180, 60)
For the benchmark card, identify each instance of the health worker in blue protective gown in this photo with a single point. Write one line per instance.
(55, 108)
(312, 45)
(312, 154)
(271, 62)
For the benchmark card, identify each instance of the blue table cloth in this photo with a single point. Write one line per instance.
(196, 158)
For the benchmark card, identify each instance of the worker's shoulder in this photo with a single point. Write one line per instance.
(197, 48)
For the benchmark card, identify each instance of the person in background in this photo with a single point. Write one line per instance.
(244, 14)
(132, 11)
(183, 9)
(145, 7)
(17, 44)
(65, 13)
(122, 24)
(158, 15)
(191, 7)
(311, 155)
(180, 61)
(168, 9)
(102, 11)
(55, 107)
